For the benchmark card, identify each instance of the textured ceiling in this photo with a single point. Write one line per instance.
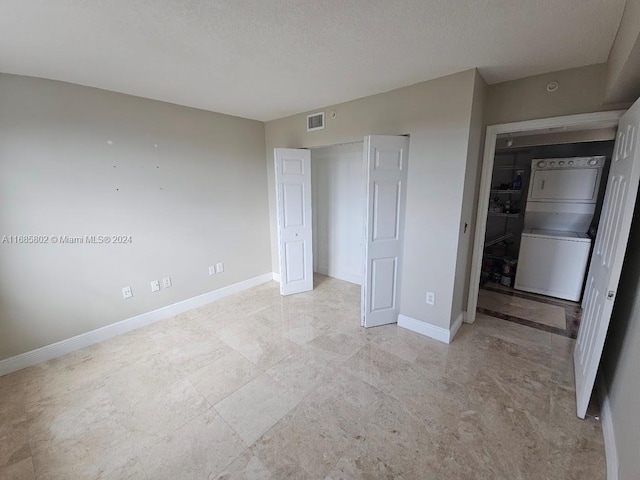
(265, 59)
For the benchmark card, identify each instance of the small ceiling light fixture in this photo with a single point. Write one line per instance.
(509, 141)
(552, 86)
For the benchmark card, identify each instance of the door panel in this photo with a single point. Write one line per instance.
(386, 160)
(293, 207)
(608, 255)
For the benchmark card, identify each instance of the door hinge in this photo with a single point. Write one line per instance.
(611, 294)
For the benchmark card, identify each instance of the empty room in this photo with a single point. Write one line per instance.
(319, 240)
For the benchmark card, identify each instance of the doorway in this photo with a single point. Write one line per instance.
(546, 199)
(338, 210)
(357, 229)
(615, 223)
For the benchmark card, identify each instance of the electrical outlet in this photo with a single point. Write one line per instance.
(127, 292)
(212, 270)
(155, 286)
(219, 267)
(431, 298)
(166, 282)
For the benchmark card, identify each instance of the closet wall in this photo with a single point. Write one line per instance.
(337, 177)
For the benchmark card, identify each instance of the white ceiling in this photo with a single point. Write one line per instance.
(266, 59)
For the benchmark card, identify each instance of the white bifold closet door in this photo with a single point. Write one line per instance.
(293, 209)
(608, 254)
(386, 162)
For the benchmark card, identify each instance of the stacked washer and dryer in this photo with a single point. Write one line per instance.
(555, 246)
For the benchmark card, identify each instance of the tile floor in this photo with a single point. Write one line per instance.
(554, 315)
(257, 386)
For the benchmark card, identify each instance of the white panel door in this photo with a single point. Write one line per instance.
(608, 254)
(386, 161)
(293, 207)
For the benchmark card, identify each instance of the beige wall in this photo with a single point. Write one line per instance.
(436, 114)
(621, 361)
(198, 198)
(581, 91)
(469, 209)
(623, 64)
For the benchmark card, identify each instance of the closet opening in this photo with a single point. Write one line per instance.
(338, 211)
(547, 192)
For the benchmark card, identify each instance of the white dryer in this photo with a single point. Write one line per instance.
(561, 202)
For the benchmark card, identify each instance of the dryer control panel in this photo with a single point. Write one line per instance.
(572, 162)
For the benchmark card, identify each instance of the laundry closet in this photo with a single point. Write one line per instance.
(542, 220)
(338, 201)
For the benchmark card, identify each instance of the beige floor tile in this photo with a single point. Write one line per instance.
(94, 456)
(563, 419)
(13, 396)
(221, 378)
(303, 445)
(90, 418)
(398, 440)
(142, 378)
(132, 470)
(493, 437)
(362, 468)
(200, 449)
(262, 346)
(375, 366)
(303, 370)
(14, 441)
(343, 401)
(340, 342)
(562, 369)
(256, 407)
(302, 392)
(163, 412)
(574, 457)
(191, 348)
(246, 467)
(515, 383)
(22, 470)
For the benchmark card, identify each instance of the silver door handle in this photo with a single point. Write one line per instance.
(542, 185)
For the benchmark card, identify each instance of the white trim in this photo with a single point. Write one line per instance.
(275, 277)
(610, 449)
(456, 325)
(43, 354)
(427, 329)
(542, 125)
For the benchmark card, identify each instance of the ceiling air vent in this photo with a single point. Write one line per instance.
(315, 121)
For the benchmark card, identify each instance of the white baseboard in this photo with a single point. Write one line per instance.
(610, 449)
(275, 277)
(456, 325)
(425, 328)
(43, 354)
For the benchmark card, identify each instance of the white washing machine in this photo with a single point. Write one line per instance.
(561, 202)
(553, 263)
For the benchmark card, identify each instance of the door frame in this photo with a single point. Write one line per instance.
(543, 125)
